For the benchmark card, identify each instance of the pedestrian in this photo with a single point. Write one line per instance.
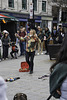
(41, 37)
(14, 50)
(54, 35)
(31, 40)
(3, 88)
(58, 76)
(5, 43)
(47, 40)
(22, 33)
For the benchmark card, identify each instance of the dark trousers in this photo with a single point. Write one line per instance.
(29, 59)
(13, 52)
(46, 45)
(5, 51)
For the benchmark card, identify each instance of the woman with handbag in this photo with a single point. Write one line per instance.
(58, 76)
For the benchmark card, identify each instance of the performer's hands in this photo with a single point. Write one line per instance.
(35, 35)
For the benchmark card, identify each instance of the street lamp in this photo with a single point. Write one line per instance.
(33, 9)
(31, 20)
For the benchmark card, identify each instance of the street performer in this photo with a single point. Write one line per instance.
(31, 40)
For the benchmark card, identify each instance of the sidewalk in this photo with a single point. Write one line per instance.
(34, 88)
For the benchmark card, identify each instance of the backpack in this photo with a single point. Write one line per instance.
(20, 96)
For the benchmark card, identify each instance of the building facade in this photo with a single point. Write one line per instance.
(59, 13)
(21, 10)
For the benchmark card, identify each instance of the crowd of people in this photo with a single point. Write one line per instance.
(57, 36)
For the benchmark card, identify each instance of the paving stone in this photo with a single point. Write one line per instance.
(34, 88)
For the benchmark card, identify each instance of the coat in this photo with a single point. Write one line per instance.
(56, 78)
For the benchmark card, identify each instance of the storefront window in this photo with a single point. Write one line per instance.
(44, 6)
(35, 5)
(11, 3)
(44, 24)
(24, 4)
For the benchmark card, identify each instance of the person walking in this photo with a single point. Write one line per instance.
(5, 43)
(31, 40)
(58, 76)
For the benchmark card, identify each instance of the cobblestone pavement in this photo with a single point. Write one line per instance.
(34, 88)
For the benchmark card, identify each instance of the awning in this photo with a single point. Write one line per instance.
(8, 17)
(3, 17)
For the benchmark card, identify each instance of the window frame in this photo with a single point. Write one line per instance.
(22, 5)
(45, 7)
(36, 7)
(11, 4)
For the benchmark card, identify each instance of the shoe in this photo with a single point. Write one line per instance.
(6, 58)
(12, 58)
(46, 53)
(42, 53)
(15, 57)
(31, 72)
(38, 54)
(0, 60)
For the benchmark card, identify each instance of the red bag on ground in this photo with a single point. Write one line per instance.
(24, 67)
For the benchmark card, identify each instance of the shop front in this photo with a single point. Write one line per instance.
(23, 19)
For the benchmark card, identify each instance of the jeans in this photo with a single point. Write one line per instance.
(22, 47)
